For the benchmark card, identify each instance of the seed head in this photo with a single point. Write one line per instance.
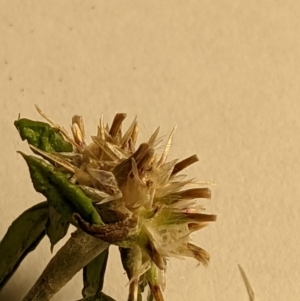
(149, 208)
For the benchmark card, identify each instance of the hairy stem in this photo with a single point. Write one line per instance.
(78, 251)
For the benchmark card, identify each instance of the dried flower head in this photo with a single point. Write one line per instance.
(149, 209)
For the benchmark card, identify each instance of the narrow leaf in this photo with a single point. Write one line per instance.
(247, 284)
(93, 275)
(42, 136)
(22, 237)
(57, 227)
(65, 197)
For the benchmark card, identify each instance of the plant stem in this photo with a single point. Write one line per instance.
(77, 252)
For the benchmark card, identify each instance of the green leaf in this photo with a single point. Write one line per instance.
(99, 297)
(65, 197)
(127, 263)
(42, 136)
(140, 297)
(57, 227)
(93, 275)
(126, 259)
(22, 237)
(150, 296)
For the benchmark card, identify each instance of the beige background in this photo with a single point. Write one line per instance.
(226, 72)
